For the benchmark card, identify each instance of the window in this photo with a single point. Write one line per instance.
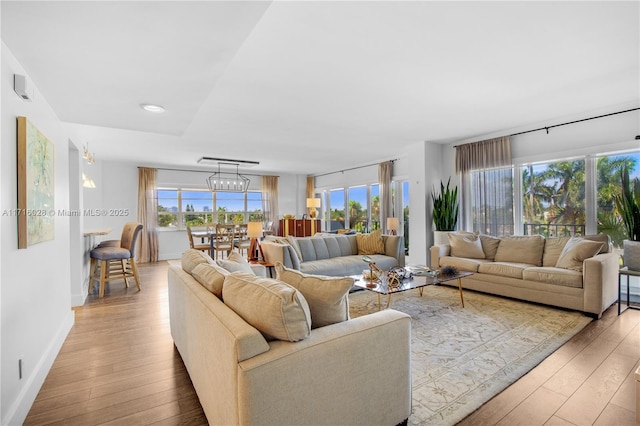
(178, 208)
(553, 198)
(491, 201)
(336, 213)
(358, 213)
(375, 206)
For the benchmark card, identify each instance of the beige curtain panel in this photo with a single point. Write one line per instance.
(385, 171)
(269, 188)
(487, 154)
(148, 214)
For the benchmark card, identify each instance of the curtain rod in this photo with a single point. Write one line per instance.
(352, 168)
(569, 122)
(195, 171)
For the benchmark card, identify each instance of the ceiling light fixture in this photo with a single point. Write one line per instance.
(228, 181)
(87, 155)
(216, 160)
(157, 109)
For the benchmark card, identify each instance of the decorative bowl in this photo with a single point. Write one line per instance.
(433, 273)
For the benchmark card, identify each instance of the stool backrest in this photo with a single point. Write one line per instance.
(130, 234)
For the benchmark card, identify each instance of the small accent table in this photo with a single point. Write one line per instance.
(270, 267)
(625, 271)
(419, 282)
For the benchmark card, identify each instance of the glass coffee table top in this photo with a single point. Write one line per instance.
(381, 286)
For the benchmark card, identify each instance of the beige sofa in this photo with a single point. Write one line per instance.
(335, 254)
(561, 272)
(352, 372)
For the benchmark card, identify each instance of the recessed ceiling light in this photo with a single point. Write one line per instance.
(152, 108)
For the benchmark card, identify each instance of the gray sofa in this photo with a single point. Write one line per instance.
(526, 268)
(331, 254)
(352, 372)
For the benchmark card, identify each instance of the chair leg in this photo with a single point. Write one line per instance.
(103, 276)
(134, 269)
(123, 264)
(92, 272)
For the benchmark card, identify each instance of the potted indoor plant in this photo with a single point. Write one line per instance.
(445, 212)
(628, 205)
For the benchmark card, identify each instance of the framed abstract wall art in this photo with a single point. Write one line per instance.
(36, 186)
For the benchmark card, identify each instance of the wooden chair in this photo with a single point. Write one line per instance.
(199, 245)
(224, 239)
(110, 263)
(242, 241)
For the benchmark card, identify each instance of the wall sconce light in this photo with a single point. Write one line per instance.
(87, 155)
(87, 182)
(393, 224)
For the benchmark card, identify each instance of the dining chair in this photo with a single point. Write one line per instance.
(242, 240)
(224, 239)
(268, 229)
(202, 246)
(110, 263)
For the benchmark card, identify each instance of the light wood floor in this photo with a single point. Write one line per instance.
(119, 366)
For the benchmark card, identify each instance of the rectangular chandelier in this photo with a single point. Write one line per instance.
(222, 181)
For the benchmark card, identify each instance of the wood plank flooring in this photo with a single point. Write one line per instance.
(119, 366)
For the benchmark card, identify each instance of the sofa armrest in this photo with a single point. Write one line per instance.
(600, 281)
(437, 252)
(277, 252)
(344, 373)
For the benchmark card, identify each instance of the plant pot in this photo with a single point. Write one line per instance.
(440, 237)
(631, 255)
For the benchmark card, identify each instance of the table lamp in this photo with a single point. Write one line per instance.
(312, 205)
(254, 231)
(393, 224)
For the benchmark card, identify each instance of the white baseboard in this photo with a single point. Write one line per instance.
(17, 412)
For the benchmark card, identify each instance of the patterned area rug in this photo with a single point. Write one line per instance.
(462, 357)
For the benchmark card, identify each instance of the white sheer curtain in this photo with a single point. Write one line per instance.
(385, 171)
(269, 188)
(148, 214)
(487, 186)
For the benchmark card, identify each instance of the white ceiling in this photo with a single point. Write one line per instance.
(309, 87)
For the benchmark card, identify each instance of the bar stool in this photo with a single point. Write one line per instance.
(116, 262)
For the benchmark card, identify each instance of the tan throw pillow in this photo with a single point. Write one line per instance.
(465, 245)
(274, 308)
(370, 243)
(576, 251)
(489, 246)
(521, 249)
(291, 240)
(192, 258)
(328, 297)
(236, 263)
(211, 277)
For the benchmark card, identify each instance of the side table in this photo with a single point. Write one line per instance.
(625, 271)
(270, 267)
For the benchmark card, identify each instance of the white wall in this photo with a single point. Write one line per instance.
(36, 313)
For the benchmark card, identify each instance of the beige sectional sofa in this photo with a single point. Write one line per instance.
(574, 273)
(335, 254)
(256, 353)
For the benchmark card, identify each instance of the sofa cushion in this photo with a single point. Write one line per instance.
(521, 249)
(370, 243)
(601, 238)
(192, 258)
(307, 250)
(466, 245)
(551, 275)
(576, 251)
(236, 263)
(346, 246)
(461, 263)
(489, 246)
(552, 250)
(504, 269)
(274, 308)
(320, 247)
(211, 277)
(327, 296)
(332, 246)
(293, 242)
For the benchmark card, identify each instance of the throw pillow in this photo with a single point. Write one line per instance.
(274, 308)
(553, 249)
(521, 249)
(211, 277)
(294, 243)
(370, 243)
(328, 297)
(236, 263)
(192, 258)
(466, 245)
(489, 246)
(576, 251)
